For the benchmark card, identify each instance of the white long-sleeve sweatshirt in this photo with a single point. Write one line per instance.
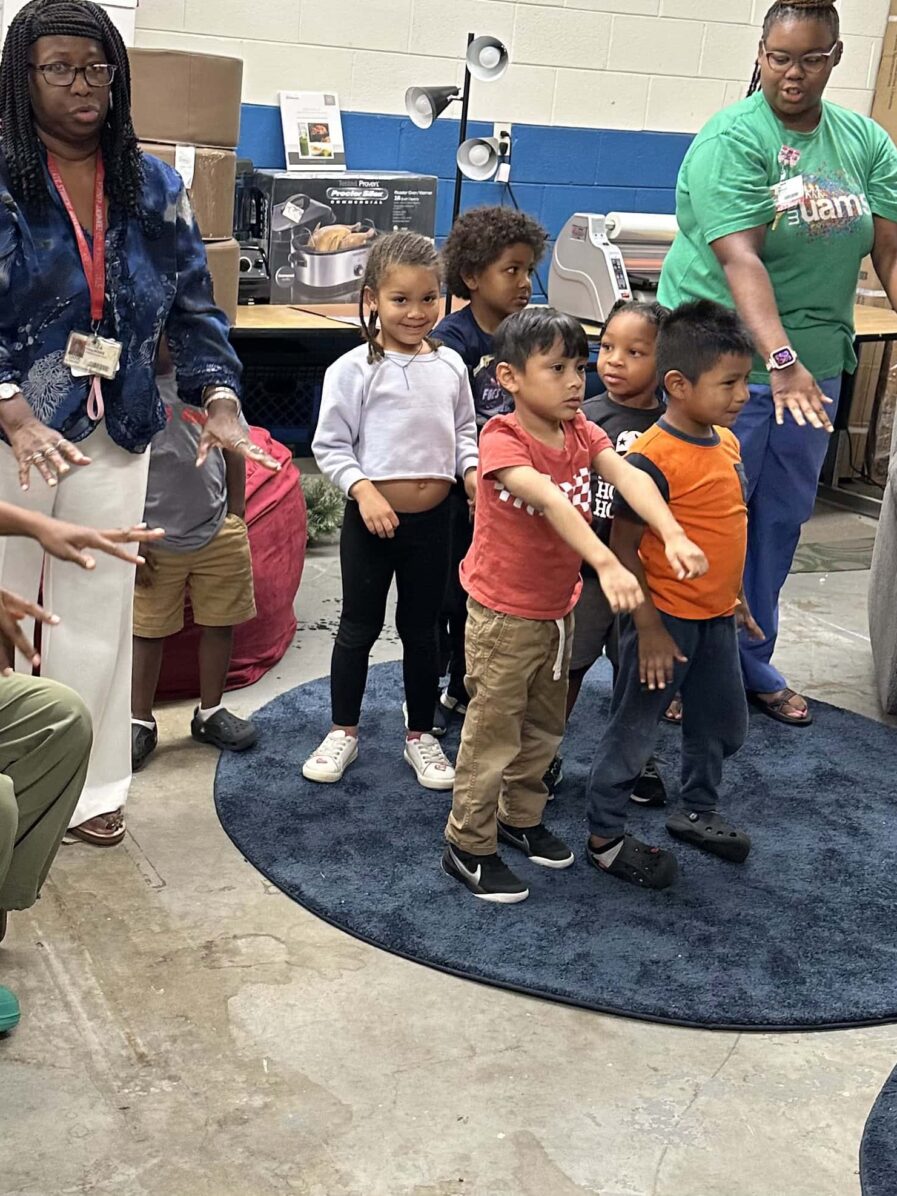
(401, 417)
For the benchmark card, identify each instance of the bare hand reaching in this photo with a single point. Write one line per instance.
(796, 390)
(68, 542)
(13, 610)
(38, 447)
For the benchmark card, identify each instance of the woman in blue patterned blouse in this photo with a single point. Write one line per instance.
(99, 255)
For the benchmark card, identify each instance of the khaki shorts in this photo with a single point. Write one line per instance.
(218, 578)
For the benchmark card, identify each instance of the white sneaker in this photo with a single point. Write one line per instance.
(331, 758)
(428, 760)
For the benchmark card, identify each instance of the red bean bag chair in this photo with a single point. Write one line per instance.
(277, 521)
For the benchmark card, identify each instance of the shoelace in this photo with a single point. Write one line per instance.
(332, 749)
(431, 753)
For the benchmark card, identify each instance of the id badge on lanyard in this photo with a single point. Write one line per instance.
(790, 190)
(87, 354)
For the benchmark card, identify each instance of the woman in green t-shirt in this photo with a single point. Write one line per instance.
(779, 199)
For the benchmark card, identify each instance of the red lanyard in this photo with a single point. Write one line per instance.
(95, 266)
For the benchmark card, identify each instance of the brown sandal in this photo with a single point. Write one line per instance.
(773, 707)
(106, 830)
(673, 712)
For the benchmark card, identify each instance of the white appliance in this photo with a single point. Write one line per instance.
(600, 259)
(122, 13)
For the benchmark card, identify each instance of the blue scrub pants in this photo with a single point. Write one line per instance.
(782, 466)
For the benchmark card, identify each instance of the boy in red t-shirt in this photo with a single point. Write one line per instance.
(682, 639)
(522, 578)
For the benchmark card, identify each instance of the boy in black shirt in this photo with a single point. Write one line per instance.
(627, 365)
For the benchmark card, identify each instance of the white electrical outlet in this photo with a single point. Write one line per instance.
(502, 131)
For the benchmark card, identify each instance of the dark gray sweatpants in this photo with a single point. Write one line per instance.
(714, 720)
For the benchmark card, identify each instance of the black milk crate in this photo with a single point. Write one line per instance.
(283, 374)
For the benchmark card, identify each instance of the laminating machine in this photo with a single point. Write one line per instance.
(598, 260)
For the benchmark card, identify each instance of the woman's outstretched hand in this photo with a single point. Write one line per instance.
(796, 390)
(223, 430)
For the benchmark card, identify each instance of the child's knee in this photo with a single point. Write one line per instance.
(356, 636)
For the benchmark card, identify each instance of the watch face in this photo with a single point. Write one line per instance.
(783, 357)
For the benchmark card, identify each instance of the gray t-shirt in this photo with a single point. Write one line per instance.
(190, 503)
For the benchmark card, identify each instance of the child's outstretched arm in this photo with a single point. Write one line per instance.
(657, 650)
(621, 589)
(641, 493)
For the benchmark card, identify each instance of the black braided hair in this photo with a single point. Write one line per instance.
(18, 137)
(393, 249)
(654, 313)
(797, 10)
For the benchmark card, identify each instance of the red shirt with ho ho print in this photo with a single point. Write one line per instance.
(518, 564)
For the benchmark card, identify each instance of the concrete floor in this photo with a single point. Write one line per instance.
(189, 1031)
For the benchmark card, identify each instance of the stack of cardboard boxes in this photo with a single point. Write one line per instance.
(122, 13)
(186, 110)
(875, 392)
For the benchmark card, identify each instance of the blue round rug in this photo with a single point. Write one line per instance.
(878, 1151)
(801, 936)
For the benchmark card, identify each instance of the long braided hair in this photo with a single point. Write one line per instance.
(797, 10)
(18, 137)
(393, 249)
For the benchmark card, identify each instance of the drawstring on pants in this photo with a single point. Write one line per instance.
(562, 644)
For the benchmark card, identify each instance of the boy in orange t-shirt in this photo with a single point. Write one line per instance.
(683, 637)
(522, 577)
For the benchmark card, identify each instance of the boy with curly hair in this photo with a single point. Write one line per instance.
(489, 259)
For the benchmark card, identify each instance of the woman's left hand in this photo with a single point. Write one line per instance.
(223, 430)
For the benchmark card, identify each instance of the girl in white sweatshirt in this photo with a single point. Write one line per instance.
(396, 428)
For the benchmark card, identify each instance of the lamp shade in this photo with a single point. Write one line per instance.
(478, 157)
(487, 58)
(425, 104)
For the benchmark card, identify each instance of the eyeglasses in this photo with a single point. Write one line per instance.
(811, 64)
(60, 74)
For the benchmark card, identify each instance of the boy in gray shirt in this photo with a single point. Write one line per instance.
(206, 552)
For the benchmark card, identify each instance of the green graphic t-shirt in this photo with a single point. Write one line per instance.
(813, 252)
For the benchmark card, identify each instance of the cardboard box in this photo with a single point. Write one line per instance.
(884, 103)
(866, 384)
(123, 14)
(289, 209)
(870, 292)
(182, 97)
(210, 175)
(224, 266)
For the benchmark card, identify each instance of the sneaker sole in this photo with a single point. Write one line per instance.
(439, 786)
(493, 898)
(330, 779)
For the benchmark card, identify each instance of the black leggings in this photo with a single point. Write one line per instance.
(453, 616)
(418, 558)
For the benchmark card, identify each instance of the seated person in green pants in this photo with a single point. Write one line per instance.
(45, 732)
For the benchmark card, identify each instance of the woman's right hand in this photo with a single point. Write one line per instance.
(35, 445)
(796, 390)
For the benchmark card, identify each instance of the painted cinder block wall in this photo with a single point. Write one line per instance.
(603, 95)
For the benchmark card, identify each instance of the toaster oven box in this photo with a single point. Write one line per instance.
(317, 230)
(209, 175)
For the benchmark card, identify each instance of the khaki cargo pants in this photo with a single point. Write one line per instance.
(517, 680)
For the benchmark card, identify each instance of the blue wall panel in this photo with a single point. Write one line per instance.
(554, 171)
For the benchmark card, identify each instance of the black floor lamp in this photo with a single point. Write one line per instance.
(486, 59)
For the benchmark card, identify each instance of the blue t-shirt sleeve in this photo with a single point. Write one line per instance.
(621, 508)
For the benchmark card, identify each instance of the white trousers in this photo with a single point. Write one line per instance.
(90, 649)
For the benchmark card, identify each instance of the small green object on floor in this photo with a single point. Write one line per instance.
(9, 1010)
